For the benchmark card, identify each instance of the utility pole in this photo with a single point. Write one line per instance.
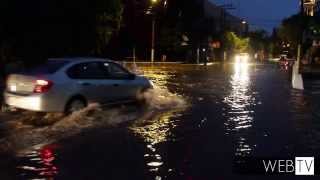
(300, 35)
(152, 38)
(153, 3)
(301, 7)
(223, 13)
(134, 5)
(297, 80)
(198, 55)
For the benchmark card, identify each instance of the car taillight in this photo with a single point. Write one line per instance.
(42, 86)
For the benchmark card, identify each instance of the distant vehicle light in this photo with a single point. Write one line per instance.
(242, 58)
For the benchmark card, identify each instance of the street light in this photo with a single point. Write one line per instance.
(244, 27)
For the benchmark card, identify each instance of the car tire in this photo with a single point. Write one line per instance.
(5, 108)
(75, 104)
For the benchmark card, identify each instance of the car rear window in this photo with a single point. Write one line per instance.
(49, 67)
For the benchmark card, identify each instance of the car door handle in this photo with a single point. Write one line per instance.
(116, 85)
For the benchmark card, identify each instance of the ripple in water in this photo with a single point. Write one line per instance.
(157, 128)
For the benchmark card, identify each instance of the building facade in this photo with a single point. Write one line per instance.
(310, 7)
(224, 20)
(317, 8)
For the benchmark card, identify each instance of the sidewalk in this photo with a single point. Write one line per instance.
(168, 62)
(149, 62)
(310, 71)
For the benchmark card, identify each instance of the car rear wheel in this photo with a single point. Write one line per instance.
(75, 105)
(5, 108)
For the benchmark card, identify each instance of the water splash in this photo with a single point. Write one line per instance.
(32, 132)
(30, 129)
(156, 128)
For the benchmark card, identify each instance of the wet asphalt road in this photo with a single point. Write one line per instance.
(202, 120)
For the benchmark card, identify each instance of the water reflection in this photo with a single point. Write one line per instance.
(241, 73)
(159, 76)
(38, 163)
(305, 110)
(239, 113)
(155, 131)
(158, 128)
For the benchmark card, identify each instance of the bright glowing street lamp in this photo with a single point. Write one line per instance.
(244, 27)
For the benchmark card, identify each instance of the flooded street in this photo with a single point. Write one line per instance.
(197, 123)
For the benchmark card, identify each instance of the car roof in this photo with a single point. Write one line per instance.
(81, 59)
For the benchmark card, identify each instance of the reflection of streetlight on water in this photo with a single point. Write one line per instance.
(241, 72)
(157, 130)
(239, 102)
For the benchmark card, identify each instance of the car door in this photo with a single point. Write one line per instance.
(90, 81)
(123, 82)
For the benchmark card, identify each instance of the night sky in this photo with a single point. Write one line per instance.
(265, 14)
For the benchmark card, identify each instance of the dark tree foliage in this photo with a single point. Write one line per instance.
(34, 30)
(174, 20)
(292, 28)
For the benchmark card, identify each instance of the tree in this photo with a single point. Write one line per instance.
(108, 18)
(36, 30)
(172, 41)
(290, 30)
(260, 43)
(258, 40)
(236, 44)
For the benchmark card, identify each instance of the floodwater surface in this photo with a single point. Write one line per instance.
(196, 123)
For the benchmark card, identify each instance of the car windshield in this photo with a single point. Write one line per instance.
(49, 67)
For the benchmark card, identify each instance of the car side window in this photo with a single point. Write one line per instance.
(91, 70)
(106, 68)
(115, 71)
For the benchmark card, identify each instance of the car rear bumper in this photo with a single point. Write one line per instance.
(34, 102)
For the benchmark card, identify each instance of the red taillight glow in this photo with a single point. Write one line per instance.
(42, 86)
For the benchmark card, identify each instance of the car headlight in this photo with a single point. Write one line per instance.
(245, 58)
(237, 58)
